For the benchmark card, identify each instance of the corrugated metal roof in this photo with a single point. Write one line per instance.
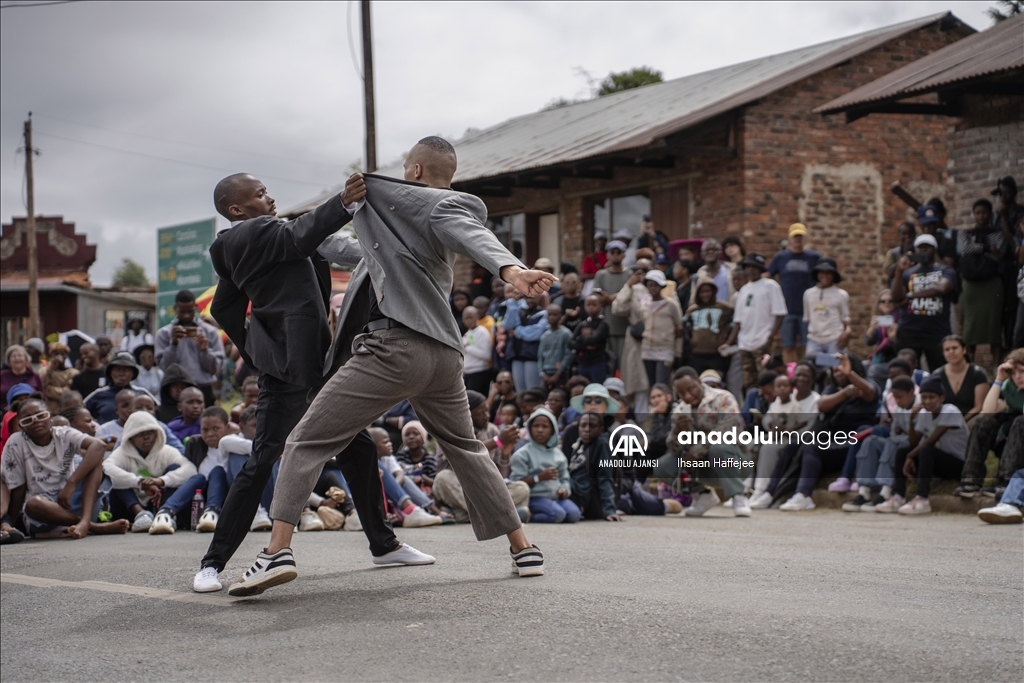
(999, 49)
(639, 117)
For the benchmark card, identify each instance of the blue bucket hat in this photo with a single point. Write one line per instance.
(594, 390)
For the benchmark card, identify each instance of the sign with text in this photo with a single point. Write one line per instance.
(183, 259)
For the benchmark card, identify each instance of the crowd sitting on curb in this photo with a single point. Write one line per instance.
(719, 342)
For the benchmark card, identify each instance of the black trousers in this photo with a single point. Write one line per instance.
(925, 346)
(281, 405)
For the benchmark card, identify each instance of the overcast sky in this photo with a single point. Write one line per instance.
(271, 88)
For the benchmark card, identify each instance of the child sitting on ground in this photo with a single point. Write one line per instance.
(110, 432)
(144, 469)
(416, 506)
(877, 454)
(191, 405)
(420, 464)
(48, 496)
(250, 396)
(546, 471)
(237, 448)
(211, 463)
(938, 435)
(592, 487)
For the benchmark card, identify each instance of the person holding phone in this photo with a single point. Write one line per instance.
(193, 344)
(924, 291)
(881, 334)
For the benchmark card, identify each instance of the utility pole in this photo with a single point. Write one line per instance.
(371, 119)
(30, 237)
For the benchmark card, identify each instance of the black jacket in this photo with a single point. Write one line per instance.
(168, 408)
(274, 264)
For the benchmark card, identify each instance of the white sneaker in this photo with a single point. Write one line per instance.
(761, 501)
(891, 505)
(163, 523)
(352, 522)
(918, 506)
(267, 571)
(310, 522)
(206, 581)
(262, 521)
(405, 554)
(1004, 513)
(420, 517)
(142, 522)
(208, 522)
(797, 503)
(740, 506)
(702, 503)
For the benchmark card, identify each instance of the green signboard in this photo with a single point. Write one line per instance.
(183, 256)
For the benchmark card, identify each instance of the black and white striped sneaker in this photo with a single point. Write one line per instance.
(528, 561)
(266, 572)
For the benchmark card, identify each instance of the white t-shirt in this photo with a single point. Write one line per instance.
(235, 444)
(954, 440)
(391, 464)
(806, 411)
(214, 458)
(476, 348)
(111, 428)
(44, 469)
(757, 304)
(826, 311)
(900, 428)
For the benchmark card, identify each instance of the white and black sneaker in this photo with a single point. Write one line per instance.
(266, 572)
(528, 561)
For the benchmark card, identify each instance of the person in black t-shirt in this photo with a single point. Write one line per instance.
(571, 302)
(924, 290)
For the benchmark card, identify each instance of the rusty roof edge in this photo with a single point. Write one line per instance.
(890, 92)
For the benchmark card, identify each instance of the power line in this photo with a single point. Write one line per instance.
(173, 161)
(190, 144)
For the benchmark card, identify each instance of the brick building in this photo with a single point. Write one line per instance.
(734, 151)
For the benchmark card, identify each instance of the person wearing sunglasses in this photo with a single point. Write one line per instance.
(52, 500)
(880, 334)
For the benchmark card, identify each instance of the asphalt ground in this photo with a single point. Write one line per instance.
(820, 595)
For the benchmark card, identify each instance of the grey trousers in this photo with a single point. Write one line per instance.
(388, 367)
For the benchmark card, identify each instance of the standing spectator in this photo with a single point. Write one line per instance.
(525, 324)
(57, 376)
(485, 321)
(662, 325)
(715, 268)
(924, 289)
(150, 376)
(906, 233)
(964, 384)
(136, 335)
(92, 374)
(826, 310)
(607, 284)
(193, 344)
(596, 260)
(981, 253)
(650, 238)
(554, 355)
(476, 351)
(570, 301)
(930, 224)
(105, 346)
(682, 273)
(459, 300)
(882, 337)
(589, 340)
(631, 364)
(35, 348)
(760, 309)
(793, 266)
(734, 250)
(1008, 221)
(17, 371)
(711, 322)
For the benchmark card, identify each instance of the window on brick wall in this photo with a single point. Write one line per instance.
(615, 214)
(510, 231)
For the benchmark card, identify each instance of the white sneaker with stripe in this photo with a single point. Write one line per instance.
(266, 572)
(528, 561)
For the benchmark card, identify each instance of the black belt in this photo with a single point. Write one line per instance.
(383, 324)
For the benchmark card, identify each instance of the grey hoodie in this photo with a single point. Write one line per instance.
(529, 460)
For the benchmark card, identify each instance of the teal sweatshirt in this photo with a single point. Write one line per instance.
(529, 460)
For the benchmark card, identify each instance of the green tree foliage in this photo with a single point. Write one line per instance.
(627, 80)
(1008, 9)
(130, 274)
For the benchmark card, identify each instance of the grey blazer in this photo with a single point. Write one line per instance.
(409, 235)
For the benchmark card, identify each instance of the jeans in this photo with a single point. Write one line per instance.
(815, 460)
(525, 374)
(876, 459)
(814, 348)
(548, 511)
(1014, 493)
(596, 371)
(793, 330)
(396, 492)
(35, 527)
(850, 464)
(658, 372)
(236, 461)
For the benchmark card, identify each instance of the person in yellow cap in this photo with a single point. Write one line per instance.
(792, 266)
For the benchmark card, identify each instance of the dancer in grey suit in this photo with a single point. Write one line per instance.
(407, 347)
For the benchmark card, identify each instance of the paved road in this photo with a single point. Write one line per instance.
(783, 596)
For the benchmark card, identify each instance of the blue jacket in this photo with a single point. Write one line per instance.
(532, 458)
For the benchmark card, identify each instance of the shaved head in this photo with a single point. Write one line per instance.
(241, 196)
(432, 161)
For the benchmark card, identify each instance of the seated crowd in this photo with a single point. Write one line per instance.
(132, 439)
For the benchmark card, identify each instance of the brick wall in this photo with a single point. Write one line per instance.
(987, 144)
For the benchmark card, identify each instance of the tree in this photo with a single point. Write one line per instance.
(627, 80)
(130, 274)
(1010, 8)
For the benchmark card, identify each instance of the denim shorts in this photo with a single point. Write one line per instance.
(34, 527)
(793, 326)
